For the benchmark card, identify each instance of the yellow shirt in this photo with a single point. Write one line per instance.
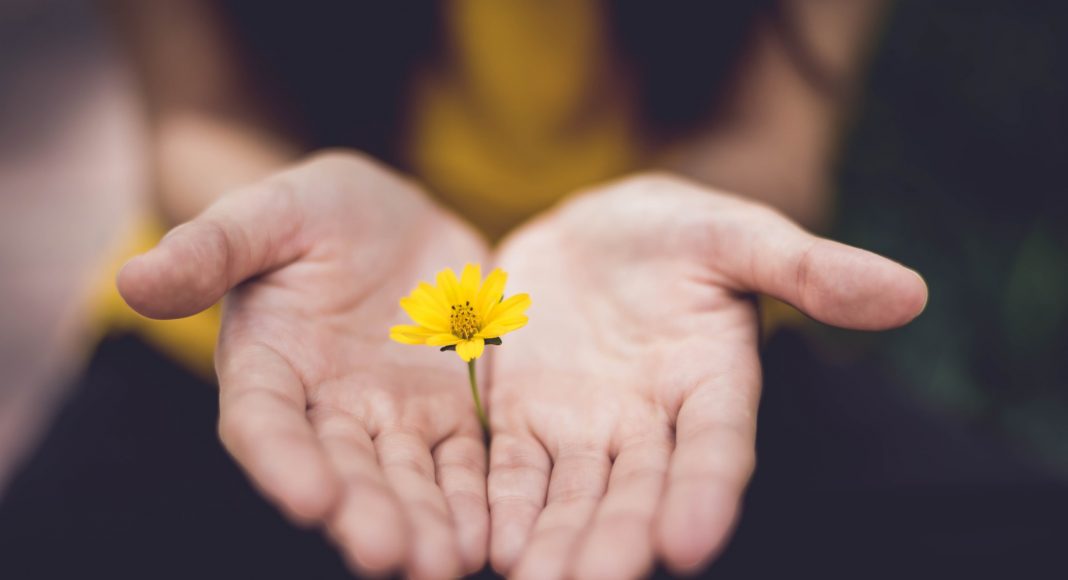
(523, 109)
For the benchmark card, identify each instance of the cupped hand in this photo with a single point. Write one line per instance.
(333, 422)
(624, 415)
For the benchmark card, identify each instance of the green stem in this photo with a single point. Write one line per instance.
(478, 402)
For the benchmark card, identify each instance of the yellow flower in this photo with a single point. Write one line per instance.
(464, 314)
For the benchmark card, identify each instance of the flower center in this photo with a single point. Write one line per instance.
(463, 320)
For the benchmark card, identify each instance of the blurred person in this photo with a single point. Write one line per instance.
(624, 416)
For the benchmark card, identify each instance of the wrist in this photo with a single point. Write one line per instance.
(199, 157)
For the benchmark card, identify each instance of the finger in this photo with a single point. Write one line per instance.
(368, 524)
(516, 487)
(243, 234)
(407, 463)
(710, 467)
(577, 483)
(262, 423)
(832, 282)
(461, 473)
(619, 541)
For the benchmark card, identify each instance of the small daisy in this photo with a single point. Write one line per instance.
(462, 315)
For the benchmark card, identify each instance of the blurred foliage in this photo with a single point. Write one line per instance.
(956, 167)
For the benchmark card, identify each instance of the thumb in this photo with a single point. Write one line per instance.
(243, 234)
(834, 283)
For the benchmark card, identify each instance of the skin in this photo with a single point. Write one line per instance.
(624, 414)
(375, 441)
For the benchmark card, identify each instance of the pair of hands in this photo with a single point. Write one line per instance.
(623, 416)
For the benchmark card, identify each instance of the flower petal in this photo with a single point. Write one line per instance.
(469, 282)
(502, 326)
(425, 315)
(444, 339)
(470, 349)
(432, 296)
(490, 293)
(449, 286)
(512, 306)
(408, 334)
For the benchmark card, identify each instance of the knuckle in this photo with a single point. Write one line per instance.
(640, 475)
(468, 497)
(514, 457)
(465, 464)
(630, 516)
(804, 274)
(514, 503)
(211, 254)
(575, 494)
(409, 462)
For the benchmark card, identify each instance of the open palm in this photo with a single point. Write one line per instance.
(624, 415)
(331, 420)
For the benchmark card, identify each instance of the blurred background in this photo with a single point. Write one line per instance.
(951, 160)
(72, 173)
(955, 167)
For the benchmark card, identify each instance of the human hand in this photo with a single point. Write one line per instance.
(333, 422)
(624, 415)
